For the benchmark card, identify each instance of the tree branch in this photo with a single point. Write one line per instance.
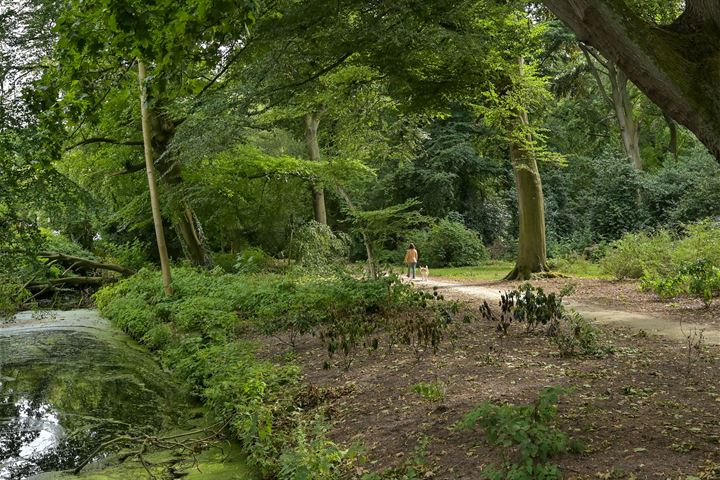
(89, 141)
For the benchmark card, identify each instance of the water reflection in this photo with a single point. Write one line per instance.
(33, 432)
(63, 392)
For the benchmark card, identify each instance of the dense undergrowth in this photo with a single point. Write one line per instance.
(202, 334)
(670, 263)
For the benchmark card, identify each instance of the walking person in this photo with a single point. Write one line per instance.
(411, 259)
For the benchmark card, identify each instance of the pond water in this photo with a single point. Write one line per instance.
(68, 380)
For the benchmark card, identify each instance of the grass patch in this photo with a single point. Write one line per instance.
(492, 270)
(497, 269)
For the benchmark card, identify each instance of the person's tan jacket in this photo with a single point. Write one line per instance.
(411, 256)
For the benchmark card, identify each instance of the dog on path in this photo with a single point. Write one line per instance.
(424, 273)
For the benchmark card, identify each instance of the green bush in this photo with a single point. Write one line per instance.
(434, 392)
(526, 433)
(662, 253)
(573, 335)
(56, 242)
(130, 254)
(451, 244)
(225, 260)
(699, 279)
(12, 295)
(253, 260)
(315, 245)
(637, 253)
(526, 304)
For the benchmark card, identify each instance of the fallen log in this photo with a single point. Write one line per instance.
(84, 263)
(52, 284)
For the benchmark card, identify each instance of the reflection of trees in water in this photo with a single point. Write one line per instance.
(62, 393)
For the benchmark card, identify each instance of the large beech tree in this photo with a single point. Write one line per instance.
(677, 65)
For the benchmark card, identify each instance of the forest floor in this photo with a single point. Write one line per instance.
(606, 302)
(650, 410)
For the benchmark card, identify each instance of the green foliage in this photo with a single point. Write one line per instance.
(197, 334)
(450, 244)
(527, 434)
(225, 261)
(12, 295)
(56, 242)
(573, 335)
(315, 457)
(315, 245)
(253, 260)
(662, 253)
(637, 253)
(434, 391)
(527, 304)
(129, 254)
(699, 279)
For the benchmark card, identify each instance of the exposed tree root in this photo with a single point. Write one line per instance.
(532, 273)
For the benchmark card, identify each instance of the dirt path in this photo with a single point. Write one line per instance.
(652, 324)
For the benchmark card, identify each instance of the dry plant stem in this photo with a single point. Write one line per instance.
(167, 443)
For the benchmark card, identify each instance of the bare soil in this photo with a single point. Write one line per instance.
(650, 410)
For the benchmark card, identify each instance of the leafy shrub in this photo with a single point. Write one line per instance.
(130, 254)
(253, 260)
(225, 261)
(699, 279)
(196, 333)
(526, 432)
(56, 242)
(430, 391)
(315, 245)
(573, 335)
(315, 457)
(636, 253)
(451, 244)
(662, 253)
(12, 295)
(526, 304)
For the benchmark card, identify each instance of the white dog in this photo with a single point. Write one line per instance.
(424, 273)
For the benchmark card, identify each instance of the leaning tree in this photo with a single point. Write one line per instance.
(677, 64)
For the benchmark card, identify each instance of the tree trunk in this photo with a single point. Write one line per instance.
(532, 253)
(629, 126)
(619, 100)
(152, 186)
(184, 220)
(677, 66)
(672, 147)
(312, 121)
(532, 250)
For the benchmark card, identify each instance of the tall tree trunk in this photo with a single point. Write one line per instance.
(152, 186)
(619, 100)
(312, 122)
(532, 250)
(184, 220)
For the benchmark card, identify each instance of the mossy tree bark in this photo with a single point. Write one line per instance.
(532, 251)
(312, 122)
(676, 65)
(152, 184)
